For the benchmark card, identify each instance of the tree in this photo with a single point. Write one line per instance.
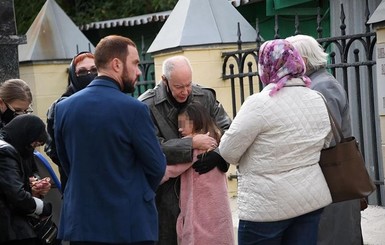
(86, 11)
(26, 13)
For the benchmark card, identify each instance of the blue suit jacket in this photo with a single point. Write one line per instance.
(107, 145)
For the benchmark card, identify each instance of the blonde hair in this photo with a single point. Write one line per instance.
(15, 89)
(311, 50)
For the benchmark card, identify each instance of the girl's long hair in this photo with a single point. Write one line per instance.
(202, 120)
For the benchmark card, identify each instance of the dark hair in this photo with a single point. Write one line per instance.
(202, 121)
(111, 47)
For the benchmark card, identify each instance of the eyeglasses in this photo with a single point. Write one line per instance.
(84, 72)
(19, 112)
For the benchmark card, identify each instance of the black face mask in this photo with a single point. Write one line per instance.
(26, 152)
(82, 81)
(7, 116)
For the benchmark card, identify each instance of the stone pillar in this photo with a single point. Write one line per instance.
(9, 40)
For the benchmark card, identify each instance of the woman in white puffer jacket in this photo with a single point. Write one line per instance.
(276, 139)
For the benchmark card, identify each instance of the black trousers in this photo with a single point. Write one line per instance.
(32, 241)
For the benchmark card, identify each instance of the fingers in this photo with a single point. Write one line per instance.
(213, 147)
(204, 142)
(208, 143)
(47, 179)
(40, 187)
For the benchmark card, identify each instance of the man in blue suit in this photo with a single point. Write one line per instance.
(107, 145)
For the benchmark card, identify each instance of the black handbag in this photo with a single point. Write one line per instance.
(344, 167)
(45, 229)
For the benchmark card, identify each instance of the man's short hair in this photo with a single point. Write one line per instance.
(111, 47)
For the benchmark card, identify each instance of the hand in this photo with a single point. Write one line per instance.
(40, 187)
(204, 142)
(209, 160)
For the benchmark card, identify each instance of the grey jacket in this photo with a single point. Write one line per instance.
(340, 222)
(165, 116)
(176, 149)
(323, 82)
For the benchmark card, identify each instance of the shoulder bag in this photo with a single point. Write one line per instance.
(45, 229)
(344, 168)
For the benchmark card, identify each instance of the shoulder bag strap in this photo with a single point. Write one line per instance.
(335, 127)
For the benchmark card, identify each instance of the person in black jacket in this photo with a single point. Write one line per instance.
(18, 139)
(15, 100)
(81, 72)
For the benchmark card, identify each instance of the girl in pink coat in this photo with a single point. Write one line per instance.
(205, 216)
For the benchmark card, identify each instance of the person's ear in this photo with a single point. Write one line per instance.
(164, 79)
(165, 82)
(116, 65)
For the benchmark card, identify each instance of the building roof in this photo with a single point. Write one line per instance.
(143, 19)
(202, 22)
(53, 36)
(379, 14)
(129, 21)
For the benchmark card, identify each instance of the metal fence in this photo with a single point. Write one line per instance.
(352, 62)
(147, 80)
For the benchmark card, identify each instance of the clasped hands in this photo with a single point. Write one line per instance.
(40, 187)
(210, 159)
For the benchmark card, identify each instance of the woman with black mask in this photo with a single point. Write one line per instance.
(15, 99)
(81, 72)
(18, 140)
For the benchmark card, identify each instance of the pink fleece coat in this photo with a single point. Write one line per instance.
(205, 216)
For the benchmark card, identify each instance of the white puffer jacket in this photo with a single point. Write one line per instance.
(277, 142)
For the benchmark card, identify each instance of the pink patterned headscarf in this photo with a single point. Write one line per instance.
(278, 62)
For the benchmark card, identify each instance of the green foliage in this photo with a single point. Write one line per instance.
(86, 11)
(26, 13)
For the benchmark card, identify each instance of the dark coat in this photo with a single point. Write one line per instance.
(340, 223)
(50, 146)
(107, 146)
(177, 150)
(16, 201)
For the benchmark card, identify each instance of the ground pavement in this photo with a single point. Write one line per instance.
(372, 222)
